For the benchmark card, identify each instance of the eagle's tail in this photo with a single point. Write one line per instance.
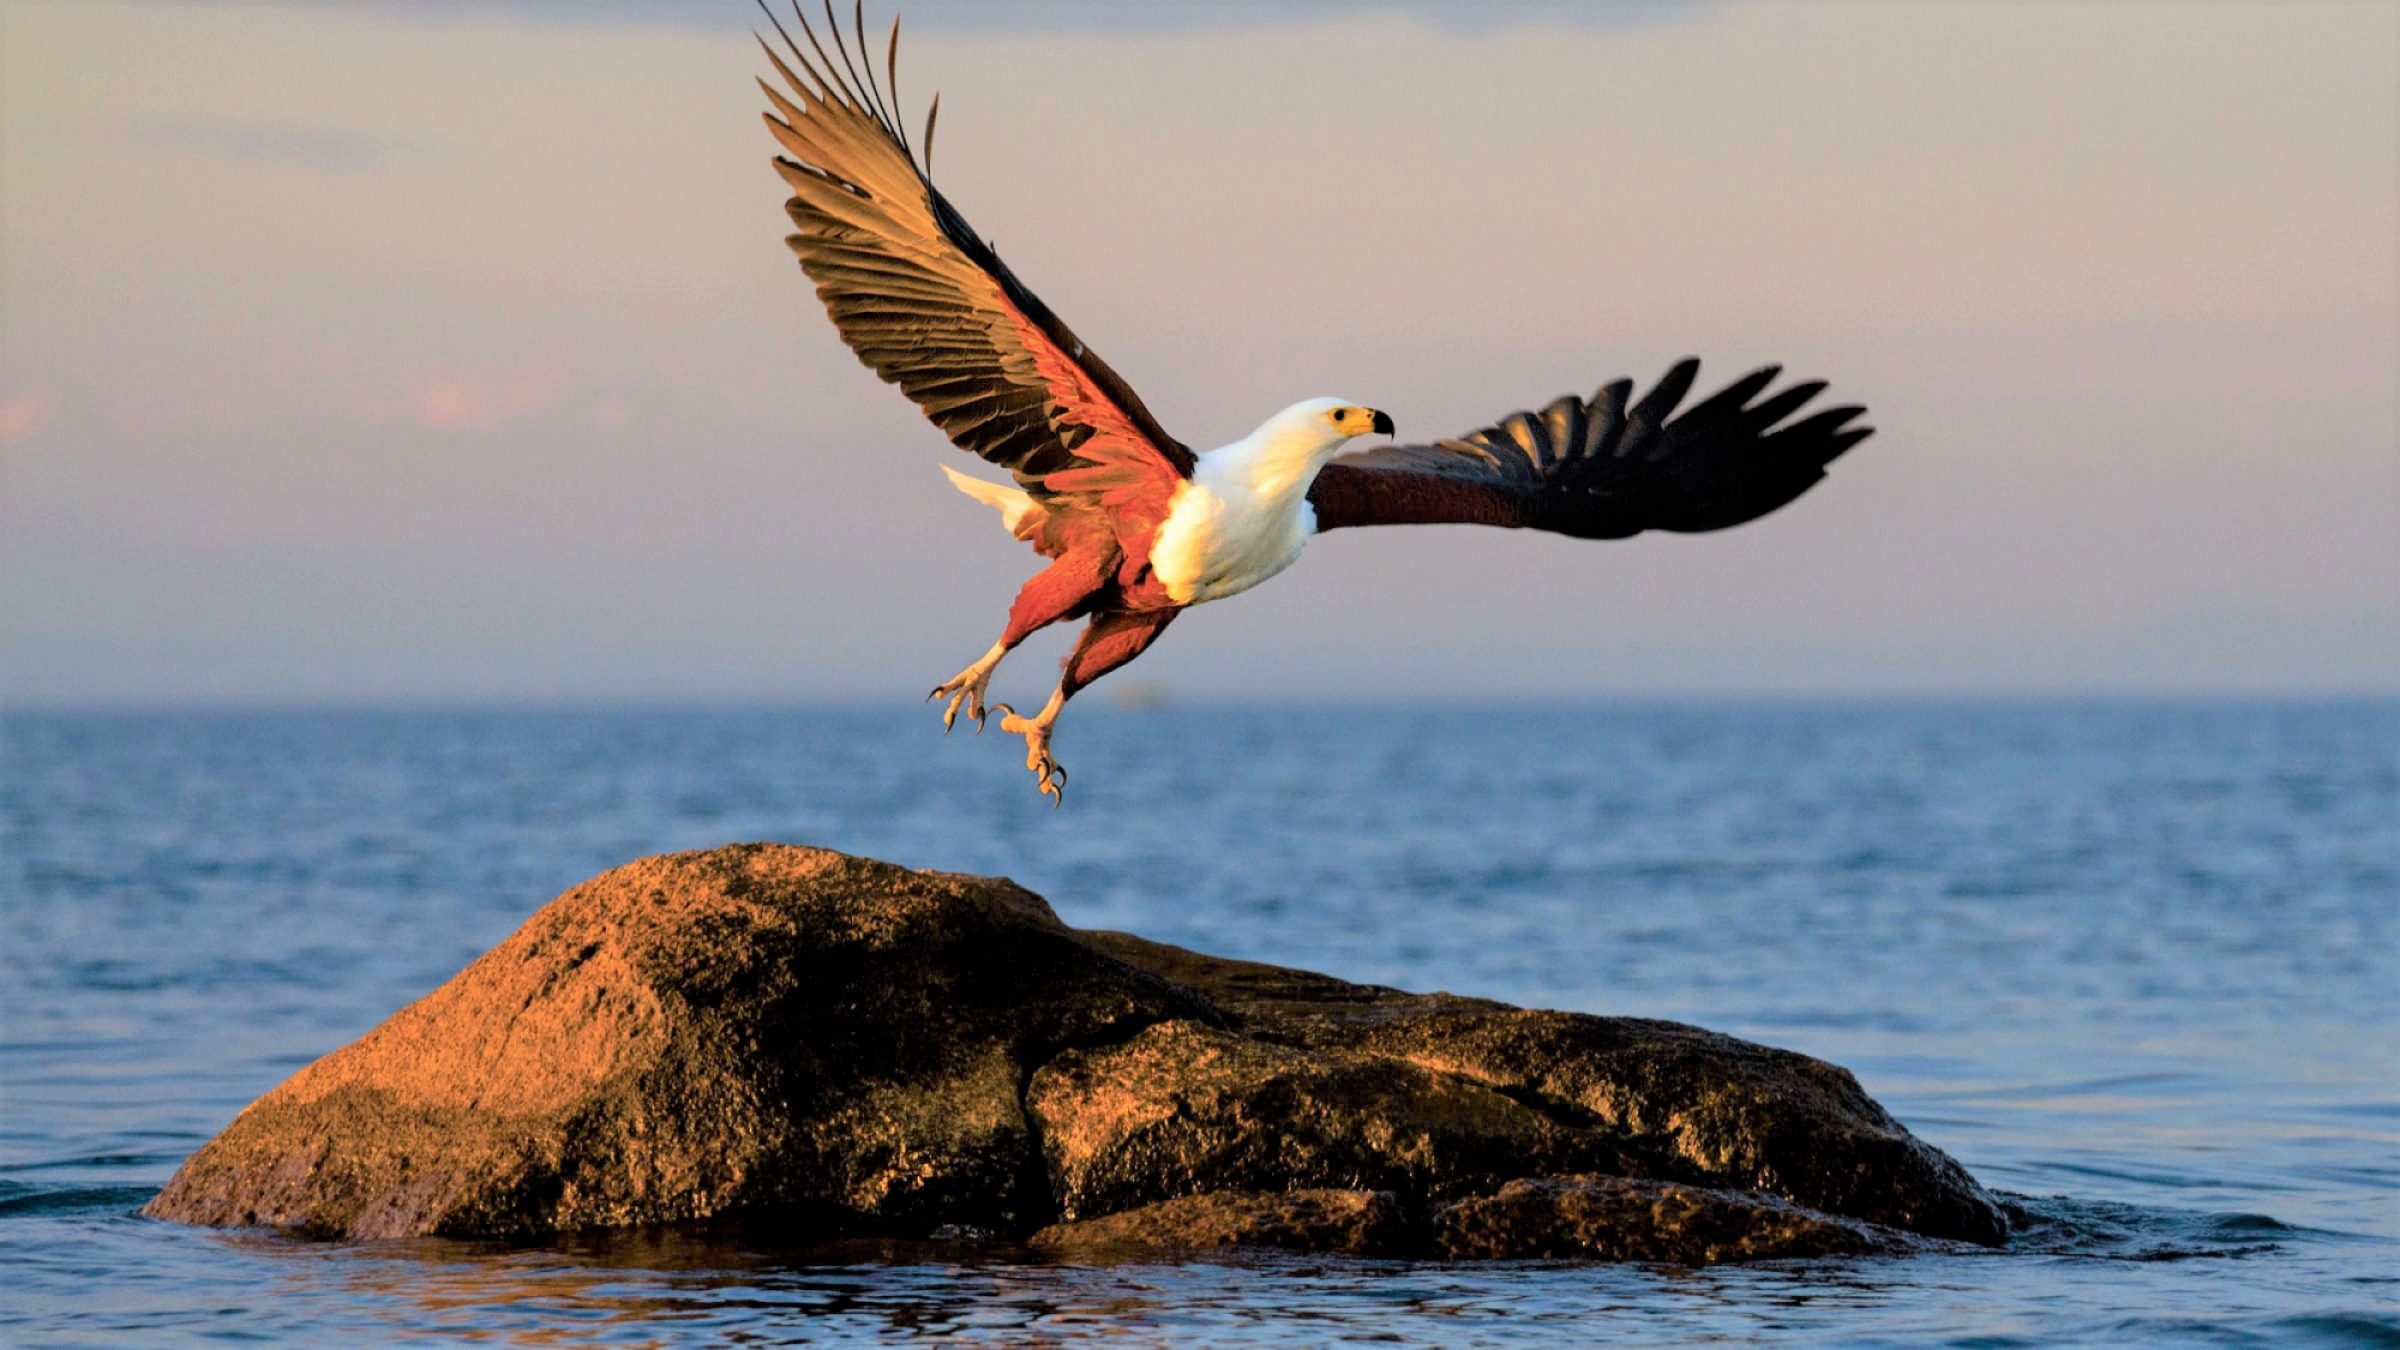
(1018, 510)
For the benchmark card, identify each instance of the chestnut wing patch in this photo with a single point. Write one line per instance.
(927, 304)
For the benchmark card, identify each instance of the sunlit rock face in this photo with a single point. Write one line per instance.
(826, 1046)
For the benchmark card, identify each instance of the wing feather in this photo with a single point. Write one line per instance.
(925, 303)
(1606, 467)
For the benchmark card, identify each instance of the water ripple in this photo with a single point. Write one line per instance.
(2145, 958)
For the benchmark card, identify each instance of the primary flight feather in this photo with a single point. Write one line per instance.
(1136, 526)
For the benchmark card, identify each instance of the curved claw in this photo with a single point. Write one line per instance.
(965, 691)
(1051, 782)
(967, 696)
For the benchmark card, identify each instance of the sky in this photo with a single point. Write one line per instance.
(369, 353)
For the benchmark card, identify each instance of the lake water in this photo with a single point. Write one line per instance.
(2137, 965)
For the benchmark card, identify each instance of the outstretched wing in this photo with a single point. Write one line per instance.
(1599, 469)
(927, 304)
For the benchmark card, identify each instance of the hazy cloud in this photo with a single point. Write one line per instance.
(1081, 16)
(455, 403)
(22, 416)
(307, 147)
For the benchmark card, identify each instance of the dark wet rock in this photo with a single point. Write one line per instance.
(1587, 1218)
(1359, 1223)
(1184, 1108)
(827, 1046)
(1598, 1218)
(1681, 1103)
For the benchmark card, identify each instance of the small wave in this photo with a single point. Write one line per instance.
(94, 1160)
(2108, 1230)
(2176, 1180)
(2252, 1223)
(2355, 1328)
(72, 1199)
(2077, 1087)
(2328, 1328)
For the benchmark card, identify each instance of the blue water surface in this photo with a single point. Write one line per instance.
(2137, 965)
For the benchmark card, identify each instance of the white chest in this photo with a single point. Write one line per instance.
(1221, 539)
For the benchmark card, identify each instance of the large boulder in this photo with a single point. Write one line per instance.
(746, 1029)
(831, 1046)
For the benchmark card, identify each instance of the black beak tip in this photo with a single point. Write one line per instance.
(1383, 423)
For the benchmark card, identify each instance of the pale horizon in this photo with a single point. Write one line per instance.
(359, 356)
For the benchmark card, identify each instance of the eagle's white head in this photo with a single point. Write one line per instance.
(1286, 451)
(1318, 428)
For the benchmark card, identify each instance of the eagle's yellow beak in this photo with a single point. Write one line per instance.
(1356, 421)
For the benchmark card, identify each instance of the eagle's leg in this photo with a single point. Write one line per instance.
(1058, 591)
(1048, 777)
(1108, 642)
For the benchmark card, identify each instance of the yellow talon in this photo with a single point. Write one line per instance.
(966, 690)
(1048, 777)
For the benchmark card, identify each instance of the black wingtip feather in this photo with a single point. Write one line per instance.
(794, 48)
(1775, 407)
(1839, 444)
(856, 86)
(1604, 418)
(1823, 422)
(1715, 464)
(1668, 392)
(891, 74)
(1735, 397)
(858, 23)
(836, 90)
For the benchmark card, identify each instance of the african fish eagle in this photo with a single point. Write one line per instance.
(1138, 527)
